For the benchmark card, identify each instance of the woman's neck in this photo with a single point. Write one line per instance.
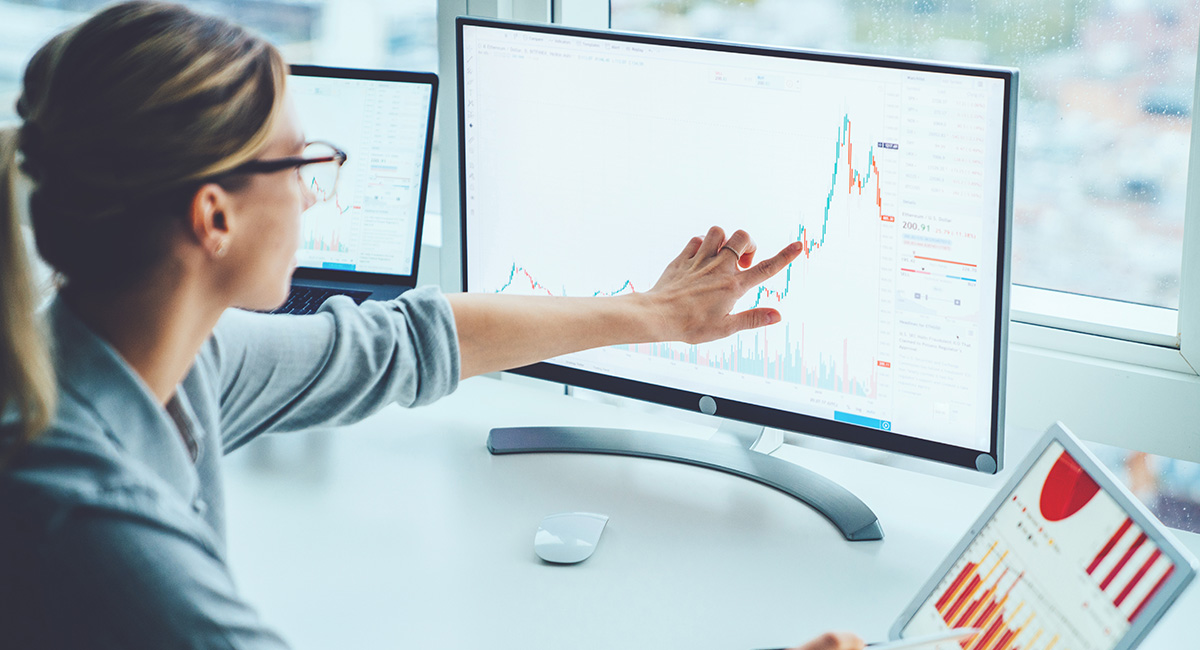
(158, 330)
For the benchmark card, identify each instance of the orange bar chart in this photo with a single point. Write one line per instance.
(981, 596)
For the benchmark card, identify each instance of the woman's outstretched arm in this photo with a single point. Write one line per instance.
(691, 302)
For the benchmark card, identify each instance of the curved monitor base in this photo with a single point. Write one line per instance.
(844, 510)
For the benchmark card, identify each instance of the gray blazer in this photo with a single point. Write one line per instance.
(112, 529)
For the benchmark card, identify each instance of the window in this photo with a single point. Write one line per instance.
(363, 33)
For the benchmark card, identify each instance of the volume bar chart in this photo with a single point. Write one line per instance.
(333, 242)
(751, 354)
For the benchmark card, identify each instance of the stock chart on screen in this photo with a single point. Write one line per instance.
(589, 163)
(369, 224)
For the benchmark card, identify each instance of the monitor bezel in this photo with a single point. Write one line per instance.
(402, 76)
(990, 460)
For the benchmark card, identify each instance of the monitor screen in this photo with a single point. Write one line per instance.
(589, 158)
(385, 125)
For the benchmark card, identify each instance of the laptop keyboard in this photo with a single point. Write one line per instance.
(306, 300)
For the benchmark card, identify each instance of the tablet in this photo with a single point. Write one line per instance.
(1064, 558)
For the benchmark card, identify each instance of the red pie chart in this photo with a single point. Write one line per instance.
(1067, 489)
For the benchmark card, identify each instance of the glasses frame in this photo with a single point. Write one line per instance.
(272, 165)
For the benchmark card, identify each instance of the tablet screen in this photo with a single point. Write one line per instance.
(1059, 566)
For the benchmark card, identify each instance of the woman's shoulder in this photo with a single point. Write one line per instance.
(72, 461)
(72, 469)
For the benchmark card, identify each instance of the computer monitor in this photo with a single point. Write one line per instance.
(384, 120)
(588, 158)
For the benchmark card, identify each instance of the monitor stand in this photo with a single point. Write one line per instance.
(748, 458)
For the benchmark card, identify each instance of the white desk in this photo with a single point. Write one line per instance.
(404, 532)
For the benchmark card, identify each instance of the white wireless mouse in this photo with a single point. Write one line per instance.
(569, 537)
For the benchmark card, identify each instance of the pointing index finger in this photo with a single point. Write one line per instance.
(763, 271)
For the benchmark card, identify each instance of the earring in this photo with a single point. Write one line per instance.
(221, 248)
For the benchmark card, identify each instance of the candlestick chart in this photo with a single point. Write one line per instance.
(828, 346)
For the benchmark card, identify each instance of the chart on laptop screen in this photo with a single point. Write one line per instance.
(1060, 566)
(589, 163)
(370, 224)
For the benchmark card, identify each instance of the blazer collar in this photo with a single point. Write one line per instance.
(93, 375)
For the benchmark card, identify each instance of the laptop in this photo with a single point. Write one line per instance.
(365, 243)
(1064, 558)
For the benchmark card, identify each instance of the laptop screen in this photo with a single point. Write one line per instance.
(385, 127)
(1059, 565)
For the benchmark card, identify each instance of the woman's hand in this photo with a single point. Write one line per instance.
(695, 294)
(834, 641)
(691, 303)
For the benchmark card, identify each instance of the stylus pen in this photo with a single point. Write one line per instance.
(956, 634)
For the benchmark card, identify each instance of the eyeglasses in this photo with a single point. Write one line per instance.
(319, 166)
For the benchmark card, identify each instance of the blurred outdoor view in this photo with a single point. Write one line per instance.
(1104, 119)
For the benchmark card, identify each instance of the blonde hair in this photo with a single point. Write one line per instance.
(124, 117)
(26, 373)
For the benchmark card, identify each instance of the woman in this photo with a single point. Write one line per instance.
(163, 153)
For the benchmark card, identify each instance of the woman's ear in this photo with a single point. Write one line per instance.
(209, 218)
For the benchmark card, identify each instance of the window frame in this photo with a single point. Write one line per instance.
(1118, 373)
